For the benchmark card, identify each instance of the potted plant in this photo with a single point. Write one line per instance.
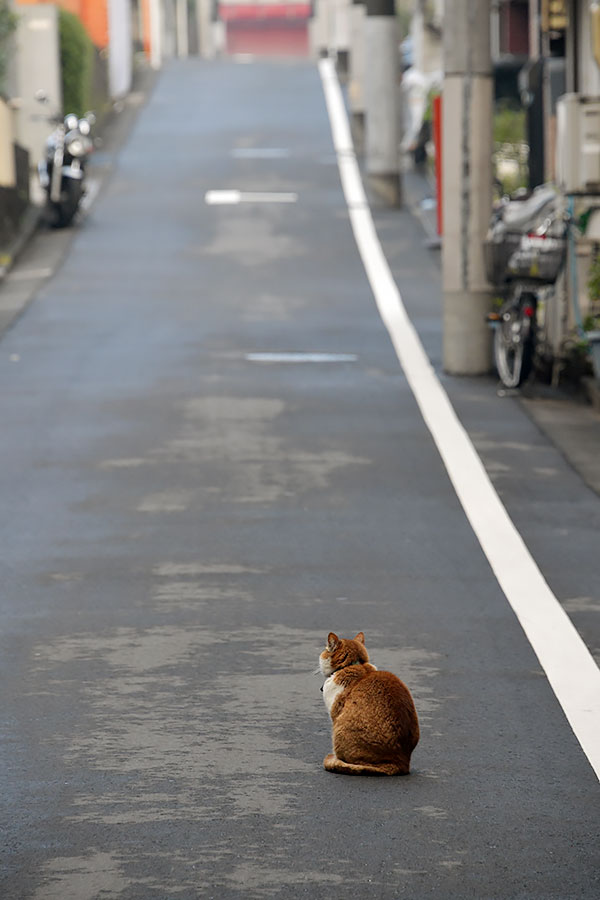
(591, 323)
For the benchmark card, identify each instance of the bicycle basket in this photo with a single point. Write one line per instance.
(497, 251)
(539, 257)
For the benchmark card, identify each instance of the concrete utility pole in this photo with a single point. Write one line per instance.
(467, 184)
(382, 97)
(318, 28)
(340, 37)
(204, 24)
(181, 20)
(356, 71)
(156, 34)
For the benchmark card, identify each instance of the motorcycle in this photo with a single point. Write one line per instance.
(62, 170)
(525, 249)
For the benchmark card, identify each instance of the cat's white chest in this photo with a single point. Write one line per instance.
(331, 691)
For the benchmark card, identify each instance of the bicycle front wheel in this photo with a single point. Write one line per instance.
(514, 342)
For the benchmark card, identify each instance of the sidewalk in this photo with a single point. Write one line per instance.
(29, 224)
(569, 417)
(36, 251)
(110, 134)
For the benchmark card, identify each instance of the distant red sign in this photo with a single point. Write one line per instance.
(255, 11)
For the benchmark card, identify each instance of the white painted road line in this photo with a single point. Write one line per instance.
(568, 664)
(232, 197)
(222, 198)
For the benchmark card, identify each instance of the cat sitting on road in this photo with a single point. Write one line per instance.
(375, 724)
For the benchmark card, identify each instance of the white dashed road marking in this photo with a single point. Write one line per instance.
(232, 197)
(301, 357)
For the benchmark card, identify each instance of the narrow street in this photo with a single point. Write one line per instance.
(210, 458)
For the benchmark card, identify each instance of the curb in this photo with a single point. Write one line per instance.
(591, 390)
(29, 225)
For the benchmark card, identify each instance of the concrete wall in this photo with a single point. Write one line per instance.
(37, 67)
(93, 14)
(7, 151)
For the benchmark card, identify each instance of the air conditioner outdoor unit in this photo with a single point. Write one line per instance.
(578, 144)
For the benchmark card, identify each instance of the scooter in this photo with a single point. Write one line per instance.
(62, 170)
(525, 249)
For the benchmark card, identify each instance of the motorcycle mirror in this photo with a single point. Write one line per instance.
(91, 117)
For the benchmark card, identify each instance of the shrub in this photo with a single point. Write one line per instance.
(592, 321)
(8, 23)
(76, 54)
(510, 146)
(509, 123)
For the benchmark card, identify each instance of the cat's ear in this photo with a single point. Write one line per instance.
(333, 641)
(360, 637)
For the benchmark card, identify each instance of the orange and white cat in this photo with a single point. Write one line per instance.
(375, 724)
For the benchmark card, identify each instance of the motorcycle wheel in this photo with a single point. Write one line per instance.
(514, 338)
(63, 213)
(58, 215)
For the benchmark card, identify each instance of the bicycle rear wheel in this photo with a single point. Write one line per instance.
(514, 338)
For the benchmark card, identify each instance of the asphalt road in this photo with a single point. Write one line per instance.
(183, 522)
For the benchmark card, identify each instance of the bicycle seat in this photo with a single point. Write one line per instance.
(518, 213)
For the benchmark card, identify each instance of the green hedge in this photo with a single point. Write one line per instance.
(8, 24)
(76, 57)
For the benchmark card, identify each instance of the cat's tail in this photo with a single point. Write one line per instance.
(333, 764)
